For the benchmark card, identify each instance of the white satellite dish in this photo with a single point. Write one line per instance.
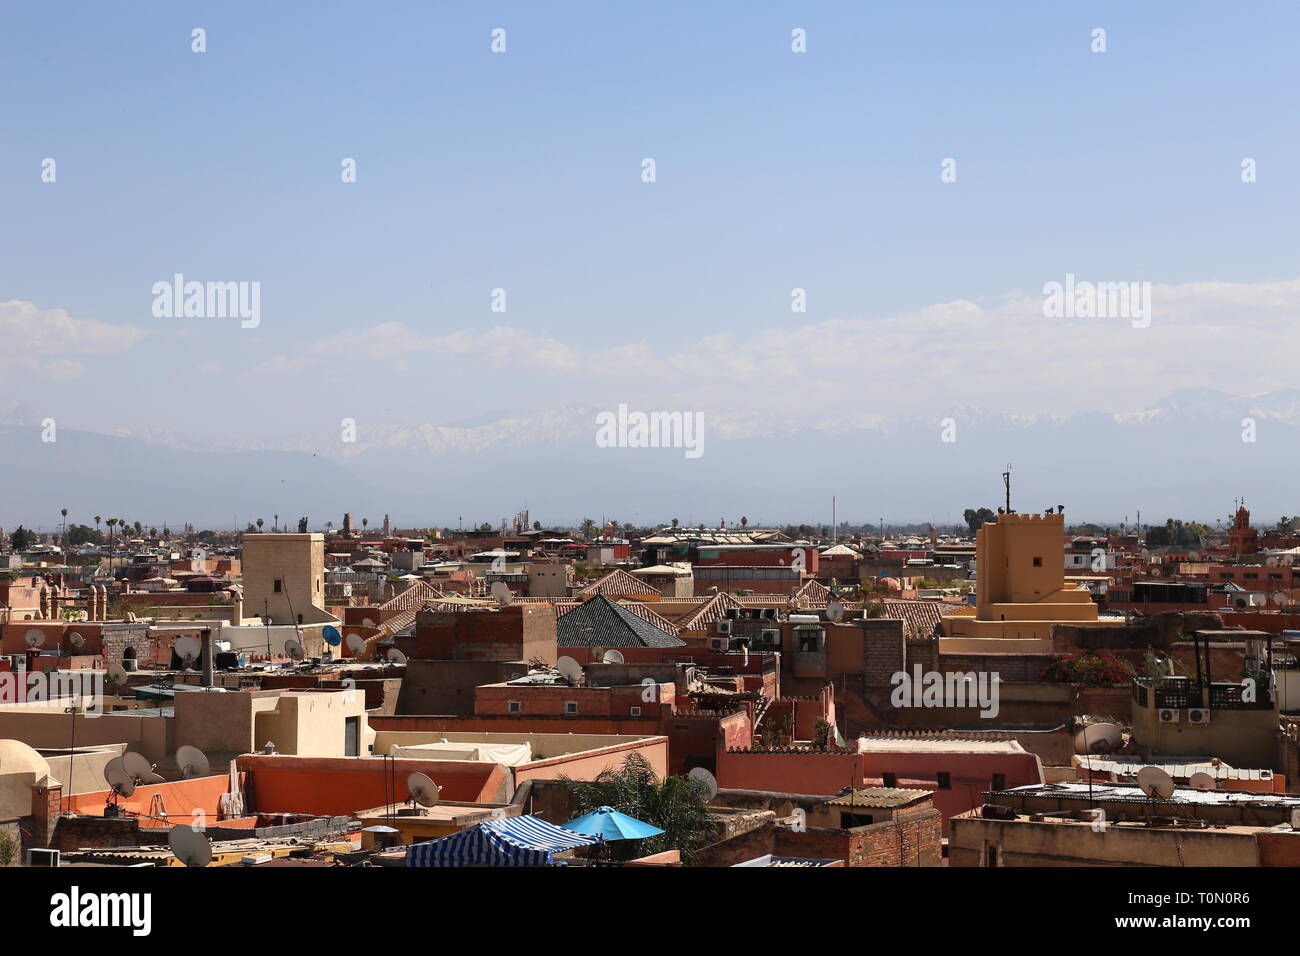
(1155, 783)
(501, 591)
(1279, 597)
(1099, 738)
(569, 669)
(597, 653)
(116, 674)
(611, 657)
(294, 649)
(114, 764)
(34, 637)
(705, 781)
(76, 640)
(192, 762)
(423, 790)
(356, 643)
(188, 649)
(395, 656)
(834, 610)
(190, 846)
(1202, 781)
(119, 780)
(137, 765)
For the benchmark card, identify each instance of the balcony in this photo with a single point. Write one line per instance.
(1180, 693)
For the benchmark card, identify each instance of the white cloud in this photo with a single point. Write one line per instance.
(49, 342)
(1003, 355)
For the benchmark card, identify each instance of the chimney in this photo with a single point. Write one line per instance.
(206, 656)
(237, 611)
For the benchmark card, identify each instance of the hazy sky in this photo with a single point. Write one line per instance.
(522, 171)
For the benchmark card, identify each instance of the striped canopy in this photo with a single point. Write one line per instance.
(514, 841)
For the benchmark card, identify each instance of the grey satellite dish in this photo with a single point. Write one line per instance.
(705, 781)
(190, 846)
(120, 781)
(423, 790)
(192, 762)
(1155, 783)
(569, 669)
(114, 764)
(598, 653)
(356, 643)
(611, 657)
(1100, 738)
(1202, 781)
(294, 649)
(188, 649)
(395, 656)
(137, 765)
(116, 674)
(76, 640)
(834, 610)
(1279, 598)
(34, 637)
(501, 591)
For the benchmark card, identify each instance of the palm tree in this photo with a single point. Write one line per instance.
(364, 523)
(677, 805)
(65, 520)
(97, 519)
(259, 524)
(276, 526)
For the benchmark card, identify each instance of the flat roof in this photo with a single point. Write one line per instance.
(1111, 792)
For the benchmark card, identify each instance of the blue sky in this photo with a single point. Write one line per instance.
(522, 171)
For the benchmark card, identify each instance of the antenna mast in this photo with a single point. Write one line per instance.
(1006, 481)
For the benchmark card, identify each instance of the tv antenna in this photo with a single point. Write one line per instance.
(1006, 481)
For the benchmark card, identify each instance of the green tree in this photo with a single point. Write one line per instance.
(975, 518)
(677, 805)
(22, 539)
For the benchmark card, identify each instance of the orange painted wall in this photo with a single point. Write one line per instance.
(344, 785)
(180, 799)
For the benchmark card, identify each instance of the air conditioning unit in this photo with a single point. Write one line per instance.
(724, 627)
(39, 856)
(719, 643)
(770, 635)
(767, 613)
(1198, 715)
(1170, 716)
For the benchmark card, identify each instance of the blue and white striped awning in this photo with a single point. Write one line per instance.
(514, 841)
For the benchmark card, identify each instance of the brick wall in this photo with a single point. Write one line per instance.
(909, 840)
(884, 650)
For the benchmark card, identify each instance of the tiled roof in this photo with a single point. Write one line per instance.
(712, 610)
(601, 622)
(878, 797)
(416, 596)
(921, 618)
(619, 582)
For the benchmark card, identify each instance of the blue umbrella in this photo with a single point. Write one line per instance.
(608, 824)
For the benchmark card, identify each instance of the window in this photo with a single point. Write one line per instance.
(278, 585)
(570, 706)
(990, 854)
(1038, 562)
(514, 707)
(945, 781)
(634, 712)
(999, 781)
(890, 780)
(849, 820)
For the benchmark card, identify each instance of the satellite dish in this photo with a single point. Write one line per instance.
(294, 649)
(1193, 556)
(1155, 783)
(332, 636)
(154, 778)
(501, 591)
(268, 747)
(119, 781)
(187, 649)
(34, 637)
(597, 653)
(423, 790)
(1279, 597)
(395, 656)
(190, 846)
(116, 673)
(192, 761)
(1099, 738)
(114, 764)
(76, 640)
(705, 781)
(834, 610)
(356, 643)
(1202, 781)
(611, 657)
(569, 669)
(137, 765)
